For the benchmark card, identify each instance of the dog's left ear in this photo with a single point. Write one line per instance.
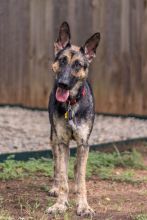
(89, 49)
(63, 39)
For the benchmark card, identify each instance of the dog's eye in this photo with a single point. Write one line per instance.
(77, 65)
(63, 61)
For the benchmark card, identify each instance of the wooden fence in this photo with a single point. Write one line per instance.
(119, 72)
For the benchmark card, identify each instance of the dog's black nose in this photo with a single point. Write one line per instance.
(63, 85)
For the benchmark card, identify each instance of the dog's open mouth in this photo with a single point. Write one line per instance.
(62, 94)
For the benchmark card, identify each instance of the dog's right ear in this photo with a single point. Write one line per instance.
(63, 39)
(89, 49)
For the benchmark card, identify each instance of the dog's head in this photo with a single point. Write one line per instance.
(71, 62)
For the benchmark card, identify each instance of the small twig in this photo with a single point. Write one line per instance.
(119, 155)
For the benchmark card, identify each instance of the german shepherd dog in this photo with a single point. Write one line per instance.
(71, 113)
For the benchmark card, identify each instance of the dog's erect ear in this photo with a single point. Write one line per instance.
(90, 46)
(64, 37)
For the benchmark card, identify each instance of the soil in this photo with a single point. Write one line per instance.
(28, 198)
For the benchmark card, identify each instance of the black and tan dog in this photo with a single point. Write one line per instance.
(71, 112)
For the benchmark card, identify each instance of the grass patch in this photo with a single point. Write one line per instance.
(126, 159)
(101, 164)
(104, 165)
(141, 217)
(4, 215)
(12, 169)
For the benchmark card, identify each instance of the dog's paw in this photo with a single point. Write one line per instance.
(54, 192)
(84, 210)
(58, 208)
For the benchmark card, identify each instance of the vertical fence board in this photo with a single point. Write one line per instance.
(14, 19)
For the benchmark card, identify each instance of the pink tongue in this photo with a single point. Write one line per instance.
(62, 94)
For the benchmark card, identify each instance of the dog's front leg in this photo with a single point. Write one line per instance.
(54, 191)
(62, 201)
(83, 209)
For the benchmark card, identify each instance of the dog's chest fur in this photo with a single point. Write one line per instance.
(79, 128)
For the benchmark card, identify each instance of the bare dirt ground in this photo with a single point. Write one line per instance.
(26, 130)
(27, 199)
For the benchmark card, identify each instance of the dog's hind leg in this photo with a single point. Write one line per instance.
(83, 209)
(62, 201)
